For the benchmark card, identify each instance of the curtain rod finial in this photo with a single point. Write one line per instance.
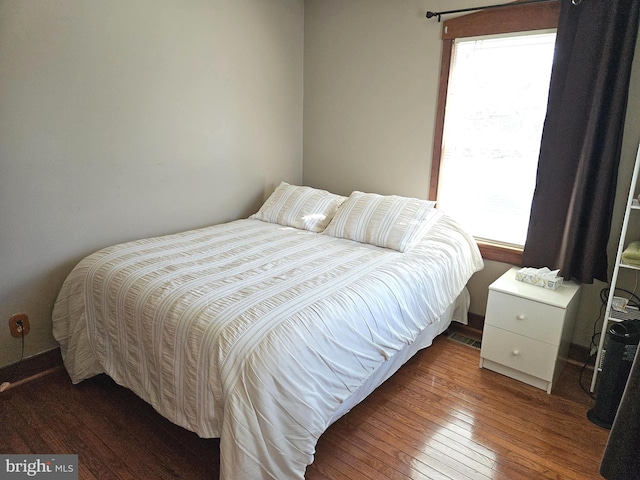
(433, 14)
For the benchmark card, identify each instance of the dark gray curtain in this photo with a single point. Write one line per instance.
(580, 149)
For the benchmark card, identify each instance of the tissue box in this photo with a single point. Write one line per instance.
(539, 280)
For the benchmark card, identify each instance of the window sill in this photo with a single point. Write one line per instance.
(500, 252)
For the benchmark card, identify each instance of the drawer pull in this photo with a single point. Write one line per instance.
(516, 352)
(521, 316)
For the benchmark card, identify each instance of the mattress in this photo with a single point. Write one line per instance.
(254, 332)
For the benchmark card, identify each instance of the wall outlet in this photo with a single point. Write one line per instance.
(19, 325)
(619, 304)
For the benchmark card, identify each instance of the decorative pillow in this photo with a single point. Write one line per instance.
(300, 207)
(385, 221)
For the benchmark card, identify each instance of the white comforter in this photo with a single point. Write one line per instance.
(254, 332)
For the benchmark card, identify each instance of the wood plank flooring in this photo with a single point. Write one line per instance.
(439, 417)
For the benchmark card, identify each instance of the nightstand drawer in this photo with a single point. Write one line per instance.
(532, 319)
(519, 352)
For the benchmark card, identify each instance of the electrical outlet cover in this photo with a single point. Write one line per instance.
(619, 304)
(14, 327)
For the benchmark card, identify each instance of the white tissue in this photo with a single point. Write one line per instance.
(541, 277)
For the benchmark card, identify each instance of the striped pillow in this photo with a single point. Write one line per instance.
(385, 221)
(305, 208)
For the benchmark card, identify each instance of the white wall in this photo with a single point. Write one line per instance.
(122, 119)
(370, 91)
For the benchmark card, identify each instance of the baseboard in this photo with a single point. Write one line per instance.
(579, 354)
(475, 321)
(37, 364)
(32, 366)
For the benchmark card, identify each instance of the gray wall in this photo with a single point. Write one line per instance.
(370, 91)
(123, 119)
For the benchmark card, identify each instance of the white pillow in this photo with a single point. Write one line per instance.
(300, 207)
(385, 221)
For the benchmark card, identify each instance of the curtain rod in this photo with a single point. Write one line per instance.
(439, 14)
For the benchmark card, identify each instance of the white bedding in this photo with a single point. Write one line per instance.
(457, 311)
(254, 332)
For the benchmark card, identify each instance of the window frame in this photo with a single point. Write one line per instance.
(511, 19)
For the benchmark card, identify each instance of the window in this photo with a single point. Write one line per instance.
(496, 105)
(488, 136)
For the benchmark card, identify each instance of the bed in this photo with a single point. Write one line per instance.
(263, 331)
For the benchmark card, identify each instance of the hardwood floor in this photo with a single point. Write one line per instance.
(439, 417)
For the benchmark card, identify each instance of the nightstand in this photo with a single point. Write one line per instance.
(528, 329)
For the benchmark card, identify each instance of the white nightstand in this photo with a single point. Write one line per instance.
(527, 330)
